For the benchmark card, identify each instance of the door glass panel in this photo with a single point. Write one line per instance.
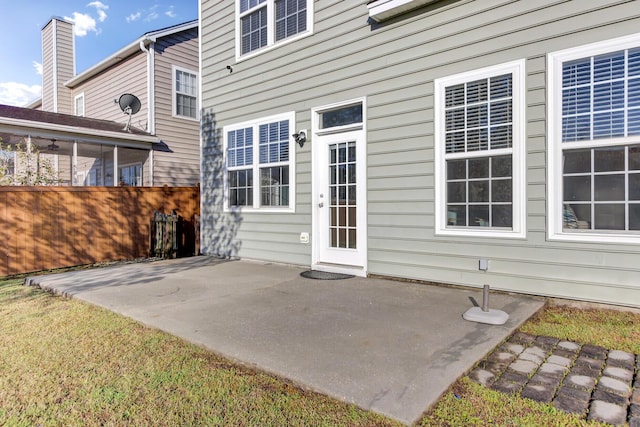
(342, 207)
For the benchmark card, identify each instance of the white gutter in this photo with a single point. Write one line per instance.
(151, 101)
(55, 66)
(97, 134)
(379, 10)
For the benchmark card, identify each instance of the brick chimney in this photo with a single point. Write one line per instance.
(58, 65)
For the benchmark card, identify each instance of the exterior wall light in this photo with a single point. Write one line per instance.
(300, 137)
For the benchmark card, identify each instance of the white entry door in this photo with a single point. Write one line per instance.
(339, 176)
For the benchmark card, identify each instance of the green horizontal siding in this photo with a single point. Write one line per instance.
(394, 64)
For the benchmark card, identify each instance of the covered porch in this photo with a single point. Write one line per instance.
(77, 151)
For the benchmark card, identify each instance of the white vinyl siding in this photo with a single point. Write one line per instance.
(261, 24)
(595, 138)
(258, 163)
(479, 151)
(185, 93)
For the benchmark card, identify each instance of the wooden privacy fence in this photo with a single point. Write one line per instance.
(51, 227)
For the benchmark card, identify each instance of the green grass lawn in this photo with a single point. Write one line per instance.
(64, 362)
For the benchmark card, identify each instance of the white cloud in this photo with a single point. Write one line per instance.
(83, 24)
(133, 17)
(18, 94)
(151, 16)
(38, 67)
(170, 13)
(100, 8)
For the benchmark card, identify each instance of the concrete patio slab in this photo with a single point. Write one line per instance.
(387, 346)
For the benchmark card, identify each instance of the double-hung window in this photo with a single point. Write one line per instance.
(185, 93)
(594, 142)
(79, 105)
(479, 151)
(264, 23)
(258, 163)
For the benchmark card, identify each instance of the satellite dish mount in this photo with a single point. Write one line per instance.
(130, 105)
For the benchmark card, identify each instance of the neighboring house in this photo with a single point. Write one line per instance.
(439, 134)
(161, 70)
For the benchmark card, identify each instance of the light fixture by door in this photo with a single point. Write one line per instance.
(300, 137)
(53, 146)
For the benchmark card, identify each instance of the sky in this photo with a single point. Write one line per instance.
(101, 29)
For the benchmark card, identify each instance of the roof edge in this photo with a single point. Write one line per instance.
(128, 50)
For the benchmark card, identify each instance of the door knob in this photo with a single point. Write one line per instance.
(320, 204)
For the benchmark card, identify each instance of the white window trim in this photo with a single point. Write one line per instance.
(554, 144)
(518, 230)
(291, 117)
(174, 112)
(75, 105)
(271, 43)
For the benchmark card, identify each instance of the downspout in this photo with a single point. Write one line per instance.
(55, 65)
(151, 110)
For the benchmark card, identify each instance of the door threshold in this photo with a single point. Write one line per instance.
(340, 268)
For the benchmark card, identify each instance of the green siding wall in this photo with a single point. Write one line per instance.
(394, 64)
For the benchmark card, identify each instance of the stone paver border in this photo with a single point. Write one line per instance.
(591, 381)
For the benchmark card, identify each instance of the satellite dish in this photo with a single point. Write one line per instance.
(130, 105)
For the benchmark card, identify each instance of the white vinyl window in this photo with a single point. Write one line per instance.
(479, 148)
(264, 23)
(185, 93)
(594, 142)
(130, 175)
(258, 154)
(79, 105)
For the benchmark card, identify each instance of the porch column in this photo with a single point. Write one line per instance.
(116, 176)
(150, 168)
(28, 160)
(74, 163)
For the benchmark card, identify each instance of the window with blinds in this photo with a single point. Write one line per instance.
(479, 114)
(260, 149)
(274, 168)
(599, 133)
(479, 151)
(264, 23)
(601, 96)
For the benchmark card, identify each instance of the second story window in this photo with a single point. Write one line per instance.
(79, 105)
(185, 103)
(263, 23)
